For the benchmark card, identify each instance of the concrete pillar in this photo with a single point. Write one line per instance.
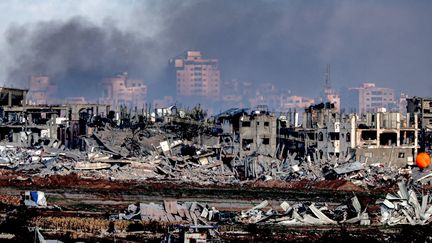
(416, 135)
(398, 128)
(9, 98)
(24, 102)
(378, 128)
(408, 122)
(353, 131)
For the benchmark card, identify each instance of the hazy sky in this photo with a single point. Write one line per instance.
(285, 42)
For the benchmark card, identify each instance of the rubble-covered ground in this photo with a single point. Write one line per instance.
(136, 184)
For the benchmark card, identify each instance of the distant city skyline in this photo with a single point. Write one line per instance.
(287, 43)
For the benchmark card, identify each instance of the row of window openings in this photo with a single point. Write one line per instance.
(378, 99)
(197, 74)
(246, 142)
(197, 85)
(377, 93)
(248, 124)
(389, 139)
(334, 136)
(375, 105)
(199, 79)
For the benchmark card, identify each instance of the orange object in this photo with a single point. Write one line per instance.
(423, 160)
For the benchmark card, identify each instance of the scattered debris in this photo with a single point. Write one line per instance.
(35, 199)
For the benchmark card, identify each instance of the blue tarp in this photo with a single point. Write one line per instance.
(34, 196)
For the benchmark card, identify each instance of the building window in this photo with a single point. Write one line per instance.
(388, 138)
(334, 136)
(266, 141)
(266, 124)
(246, 124)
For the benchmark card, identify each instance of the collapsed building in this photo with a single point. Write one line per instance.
(132, 151)
(26, 125)
(322, 134)
(252, 130)
(372, 137)
(422, 107)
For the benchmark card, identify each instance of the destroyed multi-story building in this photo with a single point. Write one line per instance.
(26, 124)
(258, 131)
(246, 131)
(319, 129)
(197, 76)
(380, 136)
(422, 107)
(386, 137)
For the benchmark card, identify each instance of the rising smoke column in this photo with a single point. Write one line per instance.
(287, 43)
(76, 54)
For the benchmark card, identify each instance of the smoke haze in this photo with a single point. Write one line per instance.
(287, 43)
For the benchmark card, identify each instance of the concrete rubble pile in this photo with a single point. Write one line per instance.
(406, 207)
(171, 212)
(257, 166)
(42, 160)
(190, 149)
(121, 154)
(152, 153)
(198, 214)
(306, 214)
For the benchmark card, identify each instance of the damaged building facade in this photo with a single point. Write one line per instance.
(24, 124)
(246, 131)
(373, 137)
(422, 108)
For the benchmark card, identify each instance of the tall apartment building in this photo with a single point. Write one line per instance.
(41, 90)
(196, 76)
(121, 90)
(373, 99)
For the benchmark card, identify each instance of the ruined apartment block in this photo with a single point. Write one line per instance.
(385, 137)
(58, 125)
(422, 107)
(258, 132)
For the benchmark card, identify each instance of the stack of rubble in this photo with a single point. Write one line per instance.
(305, 214)
(257, 166)
(406, 207)
(158, 152)
(403, 208)
(170, 212)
